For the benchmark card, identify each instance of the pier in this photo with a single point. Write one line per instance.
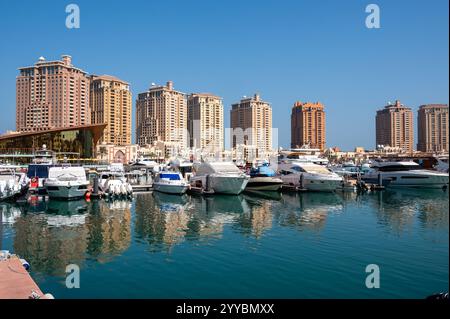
(16, 282)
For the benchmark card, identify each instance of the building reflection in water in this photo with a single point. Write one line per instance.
(161, 219)
(307, 211)
(400, 209)
(53, 234)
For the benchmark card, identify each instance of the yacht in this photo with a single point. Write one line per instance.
(66, 182)
(220, 177)
(405, 174)
(263, 178)
(441, 164)
(309, 176)
(38, 170)
(303, 155)
(170, 183)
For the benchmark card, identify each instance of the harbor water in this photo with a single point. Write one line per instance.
(305, 245)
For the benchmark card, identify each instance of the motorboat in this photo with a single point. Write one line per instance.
(263, 178)
(12, 184)
(170, 183)
(441, 164)
(66, 182)
(220, 177)
(304, 155)
(113, 182)
(309, 176)
(405, 174)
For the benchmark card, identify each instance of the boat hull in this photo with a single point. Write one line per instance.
(170, 189)
(66, 191)
(264, 184)
(231, 185)
(411, 179)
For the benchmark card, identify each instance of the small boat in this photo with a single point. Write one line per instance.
(66, 182)
(12, 184)
(114, 183)
(170, 183)
(220, 177)
(263, 178)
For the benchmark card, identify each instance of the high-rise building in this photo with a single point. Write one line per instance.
(205, 122)
(161, 115)
(308, 125)
(433, 128)
(394, 127)
(50, 95)
(110, 102)
(251, 122)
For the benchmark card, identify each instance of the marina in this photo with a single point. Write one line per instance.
(261, 245)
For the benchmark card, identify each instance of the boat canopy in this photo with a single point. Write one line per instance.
(218, 167)
(262, 171)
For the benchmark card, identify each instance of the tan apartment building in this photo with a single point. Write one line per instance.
(251, 124)
(433, 128)
(161, 115)
(394, 126)
(205, 122)
(50, 95)
(110, 103)
(308, 125)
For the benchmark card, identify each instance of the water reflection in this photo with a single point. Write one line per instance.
(399, 210)
(307, 211)
(53, 234)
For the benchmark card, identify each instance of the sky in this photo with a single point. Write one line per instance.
(286, 51)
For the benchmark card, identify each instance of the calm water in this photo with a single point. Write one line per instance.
(308, 245)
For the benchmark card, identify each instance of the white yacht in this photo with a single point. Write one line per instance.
(66, 182)
(220, 177)
(405, 174)
(309, 176)
(170, 183)
(303, 155)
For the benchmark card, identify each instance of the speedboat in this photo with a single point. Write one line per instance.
(66, 182)
(220, 177)
(12, 184)
(170, 183)
(309, 176)
(263, 178)
(114, 183)
(405, 174)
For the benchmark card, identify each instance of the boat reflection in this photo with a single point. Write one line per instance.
(307, 211)
(399, 210)
(53, 234)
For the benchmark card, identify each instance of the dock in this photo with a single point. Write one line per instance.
(16, 282)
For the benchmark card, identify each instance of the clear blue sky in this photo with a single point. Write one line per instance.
(285, 50)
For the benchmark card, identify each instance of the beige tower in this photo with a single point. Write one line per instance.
(110, 102)
(161, 115)
(394, 127)
(308, 125)
(251, 122)
(433, 128)
(52, 94)
(205, 122)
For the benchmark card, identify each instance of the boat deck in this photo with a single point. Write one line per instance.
(15, 281)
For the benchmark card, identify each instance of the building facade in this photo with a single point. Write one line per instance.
(394, 126)
(110, 103)
(251, 124)
(161, 115)
(432, 122)
(308, 125)
(79, 140)
(51, 95)
(205, 122)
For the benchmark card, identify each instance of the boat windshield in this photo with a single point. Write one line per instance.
(399, 167)
(172, 177)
